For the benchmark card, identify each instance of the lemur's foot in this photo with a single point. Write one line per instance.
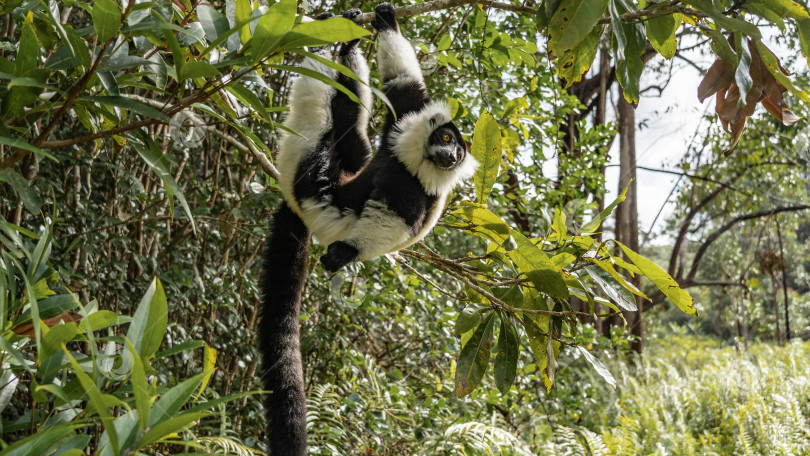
(338, 254)
(385, 18)
(324, 16)
(350, 45)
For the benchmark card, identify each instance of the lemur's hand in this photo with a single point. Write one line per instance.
(385, 18)
(324, 16)
(352, 13)
(338, 254)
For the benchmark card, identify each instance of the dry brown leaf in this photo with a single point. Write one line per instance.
(765, 89)
(27, 329)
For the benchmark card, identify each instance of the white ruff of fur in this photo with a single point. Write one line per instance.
(410, 146)
(326, 222)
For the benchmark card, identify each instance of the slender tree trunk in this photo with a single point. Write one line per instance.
(784, 278)
(600, 118)
(627, 212)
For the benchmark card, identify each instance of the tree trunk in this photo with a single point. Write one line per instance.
(784, 278)
(627, 212)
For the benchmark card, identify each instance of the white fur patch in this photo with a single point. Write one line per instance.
(326, 222)
(410, 146)
(310, 116)
(378, 231)
(396, 57)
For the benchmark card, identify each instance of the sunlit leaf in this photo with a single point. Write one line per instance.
(474, 357)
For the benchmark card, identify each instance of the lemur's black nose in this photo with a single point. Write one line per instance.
(445, 157)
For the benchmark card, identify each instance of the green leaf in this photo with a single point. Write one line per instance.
(27, 195)
(593, 225)
(486, 148)
(140, 386)
(787, 8)
(56, 336)
(661, 33)
(803, 27)
(151, 154)
(617, 294)
(662, 280)
(729, 23)
(271, 27)
(170, 426)
(467, 319)
(209, 364)
(743, 73)
(629, 44)
(598, 366)
(148, 325)
(187, 345)
(242, 15)
(171, 401)
(39, 441)
(572, 22)
(196, 69)
(106, 19)
(128, 104)
(507, 356)
(321, 77)
(213, 22)
(98, 402)
(574, 62)
(533, 262)
(320, 33)
(474, 357)
(249, 99)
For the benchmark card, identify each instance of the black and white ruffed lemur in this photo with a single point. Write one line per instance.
(360, 206)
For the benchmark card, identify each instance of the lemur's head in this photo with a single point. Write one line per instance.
(445, 147)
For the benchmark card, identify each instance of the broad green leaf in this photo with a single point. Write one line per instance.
(173, 425)
(106, 19)
(598, 366)
(507, 356)
(726, 22)
(787, 8)
(607, 267)
(140, 386)
(533, 262)
(28, 49)
(572, 21)
(56, 336)
(29, 197)
(474, 357)
(213, 22)
(196, 69)
(662, 280)
(482, 222)
(321, 77)
(629, 44)
(467, 319)
(128, 104)
(320, 33)
(99, 320)
(486, 148)
(661, 33)
(38, 442)
(148, 325)
(171, 401)
(248, 98)
(271, 27)
(575, 62)
(242, 16)
(8, 6)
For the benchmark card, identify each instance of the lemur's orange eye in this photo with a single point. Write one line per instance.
(446, 138)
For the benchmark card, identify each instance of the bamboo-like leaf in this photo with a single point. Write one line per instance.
(616, 294)
(242, 14)
(593, 225)
(106, 19)
(171, 401)
(474, 357)
(128, 104)
(140, 386)
(40, 441)
(173, 425)
(486, 148)
(209, 364)
(598, 366)
(271, 27)
(320, 33)
(662, 280)
(96, 399)
(29, 197)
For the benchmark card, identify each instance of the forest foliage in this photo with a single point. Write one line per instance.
(136, 178)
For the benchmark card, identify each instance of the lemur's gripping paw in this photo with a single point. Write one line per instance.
(338, 254)
(385, 17)
(324, 16)
(352, 13)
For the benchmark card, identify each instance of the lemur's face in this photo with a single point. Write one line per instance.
(446, 149)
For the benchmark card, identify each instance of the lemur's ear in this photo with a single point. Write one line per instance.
(435, 119)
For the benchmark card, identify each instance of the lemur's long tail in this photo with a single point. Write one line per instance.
(285, 261)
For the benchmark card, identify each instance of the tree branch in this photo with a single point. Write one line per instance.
(713, 237)
(436, 5)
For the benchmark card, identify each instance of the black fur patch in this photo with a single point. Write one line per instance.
(338, 254)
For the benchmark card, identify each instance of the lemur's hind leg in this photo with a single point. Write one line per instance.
(352, 148)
